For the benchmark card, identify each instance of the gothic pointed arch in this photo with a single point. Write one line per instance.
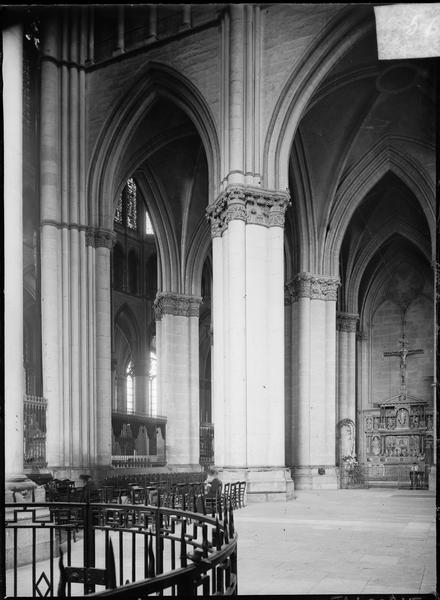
(126, 321)
(381, 159)
(198, 249)
(382, 238)
(302, 220)
(168, 275)
(154, 81)
(334, 42)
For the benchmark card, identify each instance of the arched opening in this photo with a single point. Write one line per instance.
(158, 220)
(362, 179)
(387, 280)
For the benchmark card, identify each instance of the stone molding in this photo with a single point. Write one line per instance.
(346, 322)
(254, 206)
(362, 336)
(100, 238)
(180, 305)
(315, 287)
(63, 225)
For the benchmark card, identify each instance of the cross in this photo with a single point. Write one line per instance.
(403, 353)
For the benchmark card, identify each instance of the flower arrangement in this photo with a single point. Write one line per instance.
(354, 475)
(350, 461)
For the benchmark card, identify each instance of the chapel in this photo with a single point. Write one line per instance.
(220, 244)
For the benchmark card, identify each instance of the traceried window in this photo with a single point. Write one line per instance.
(131, 204)
(126, 209)
(118, 213)
(130, 387)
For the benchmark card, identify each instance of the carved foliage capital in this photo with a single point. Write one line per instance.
(100, 238)
(315, 287)
(252, 205)
(169, 303)
(346, 322)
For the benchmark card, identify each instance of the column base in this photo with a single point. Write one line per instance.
(432, 481)
(20, 543)
(18, 488)
(316, 477)
(263, 484)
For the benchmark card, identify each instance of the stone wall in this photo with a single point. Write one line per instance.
(386, 331)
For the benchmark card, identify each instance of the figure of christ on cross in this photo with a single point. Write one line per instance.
(403, 353)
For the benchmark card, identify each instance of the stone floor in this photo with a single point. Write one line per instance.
(324, 542)
(339, 542)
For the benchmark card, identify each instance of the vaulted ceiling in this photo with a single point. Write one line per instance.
(362, 170)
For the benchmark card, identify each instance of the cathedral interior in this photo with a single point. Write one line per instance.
(220, 240)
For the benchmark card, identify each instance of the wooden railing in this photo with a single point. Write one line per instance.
(34, 433)
(140, 549)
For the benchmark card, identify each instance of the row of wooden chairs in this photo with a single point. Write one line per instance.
(235, 493)
(163, 480)
(187, 495)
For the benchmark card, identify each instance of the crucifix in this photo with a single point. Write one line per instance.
(404, 352)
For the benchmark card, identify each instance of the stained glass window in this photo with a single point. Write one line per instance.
(126, 209)
(130, 387)
(118, 213)
(131, 200)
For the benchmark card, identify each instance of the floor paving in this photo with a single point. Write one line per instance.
(373, 541)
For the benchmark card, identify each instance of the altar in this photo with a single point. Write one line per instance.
(399, 430)
(397, 433)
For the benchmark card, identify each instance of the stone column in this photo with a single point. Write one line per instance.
(218, 346)
(103, 241)
(346, 401)
(314, 380)
(75, 272)
(362, 390)
(50, 243)
(288, 390)
(177, 330)
(248, 321)
(12, 71)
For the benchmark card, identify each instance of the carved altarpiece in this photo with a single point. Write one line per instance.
(399, 430)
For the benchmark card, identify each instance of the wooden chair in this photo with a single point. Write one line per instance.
(137, 494)
(90, 576)
(234, 494)
(242, 494)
